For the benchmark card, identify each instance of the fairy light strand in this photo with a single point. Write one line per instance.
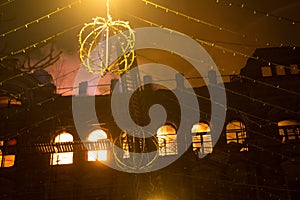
(261, 12)
(190, 17)
(6, 3)
(212, 44)
(168, 10)
(36, 21)
(36, 44)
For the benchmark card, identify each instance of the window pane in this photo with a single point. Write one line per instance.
(8, 160)
(294, 69)
(64, 157)
(202, 141)
(6, 101)
(266, 71)
(100, 155)
(167, 140)
(280, 70)
(289, 130)
(236, 132)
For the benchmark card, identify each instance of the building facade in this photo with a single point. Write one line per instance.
(44, 155)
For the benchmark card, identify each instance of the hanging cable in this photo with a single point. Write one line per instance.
(36, 21)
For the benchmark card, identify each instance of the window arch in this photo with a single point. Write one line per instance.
(95, 136)
(201, 139)
(6, 160)
(62, 158)
(167, 140)
(236, 133)
(8, 101)
(289, 130)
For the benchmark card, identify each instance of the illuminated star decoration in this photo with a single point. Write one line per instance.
(96, 49)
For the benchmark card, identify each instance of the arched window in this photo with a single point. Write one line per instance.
(289, 130)
(62, 158)
(236, 133)
(201, 139)
(7, 159)
(167, 140)
(96, 136)
(8, 101)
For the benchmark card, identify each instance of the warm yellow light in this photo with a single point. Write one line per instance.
(100, 155)
(6, 160)
(65, 157)
(200, 128)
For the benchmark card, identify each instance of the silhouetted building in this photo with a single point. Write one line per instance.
(256, 157)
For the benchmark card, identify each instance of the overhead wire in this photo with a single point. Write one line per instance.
(34, 45)
(6, 2)
(209, 44)
(197, 20)
(37, 20)
(257, 11)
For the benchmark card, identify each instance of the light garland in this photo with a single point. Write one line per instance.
(95, 47)
(6, 3)
(217, 27)
(36, 21)
(212, 44)
(36, 44)
(264, 13)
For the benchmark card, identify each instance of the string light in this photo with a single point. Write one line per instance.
(263, 13)
(202, 21)
(36, 21)
(190, 17)
(212, 44)
(34, 45)
(6, 3)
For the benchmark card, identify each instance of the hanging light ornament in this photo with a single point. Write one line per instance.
(96, 49)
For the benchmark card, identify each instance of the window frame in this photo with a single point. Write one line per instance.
(167, 143)
(240, 133)
(69, 156)
(285, 131)
(202, 142)
(100, 153)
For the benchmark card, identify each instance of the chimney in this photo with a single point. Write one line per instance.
(113, 83)
(83, 88)
(148, 83)
(179, 81)
(212, 77)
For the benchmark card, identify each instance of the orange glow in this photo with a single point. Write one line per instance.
(65, 157)
(202, 142)
(7, 160)
(200, 128)
(289, 130)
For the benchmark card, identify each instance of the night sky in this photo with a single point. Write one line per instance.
(231, 26)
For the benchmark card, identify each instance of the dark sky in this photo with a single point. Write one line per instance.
(244, 28)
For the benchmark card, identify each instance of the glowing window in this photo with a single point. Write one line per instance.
(201, 139)
(294, 69)
(125, 145)
(289, 130)
(266, 71)
(7, 101)
(280, 70)
(62, 158)
(6, 160)
(167, 140)
(236, 133)
(96, 136)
